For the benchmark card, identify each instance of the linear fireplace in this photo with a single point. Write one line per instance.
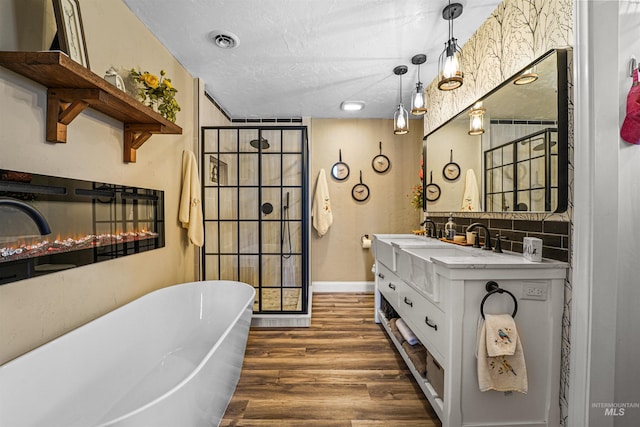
(48, 224)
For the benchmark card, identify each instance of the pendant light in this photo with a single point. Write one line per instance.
(401, 116)
(529, 75)
(418, 102)
(476, 119)
(450, 73)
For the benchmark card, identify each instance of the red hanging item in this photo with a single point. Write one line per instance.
(630, 130)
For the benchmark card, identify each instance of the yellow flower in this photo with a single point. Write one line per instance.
(150, 80)
(167, 83)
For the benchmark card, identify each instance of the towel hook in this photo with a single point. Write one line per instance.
(493, 288)
(632, 66)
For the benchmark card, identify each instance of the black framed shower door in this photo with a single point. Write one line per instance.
(254, 194)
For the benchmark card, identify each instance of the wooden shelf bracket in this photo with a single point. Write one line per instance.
(135, 135)
(64, 105)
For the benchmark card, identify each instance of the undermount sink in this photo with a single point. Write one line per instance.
(415, 265)
(446, 251)
(387, 246)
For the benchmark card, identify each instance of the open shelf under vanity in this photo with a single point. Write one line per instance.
(430, 393)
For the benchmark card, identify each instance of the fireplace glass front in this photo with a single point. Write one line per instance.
(49, 224)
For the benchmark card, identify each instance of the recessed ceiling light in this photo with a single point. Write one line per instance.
(224, 39)
(352, 105)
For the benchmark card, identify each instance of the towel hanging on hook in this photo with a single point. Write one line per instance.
(630, 130)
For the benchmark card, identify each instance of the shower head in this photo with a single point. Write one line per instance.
(262, 143)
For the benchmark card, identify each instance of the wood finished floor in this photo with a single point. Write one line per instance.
(342, 371)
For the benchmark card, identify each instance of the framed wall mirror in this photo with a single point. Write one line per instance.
(512, 144)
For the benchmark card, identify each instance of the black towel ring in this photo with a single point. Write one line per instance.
(493, 288)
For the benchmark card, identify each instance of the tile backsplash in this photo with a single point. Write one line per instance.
(555, 235)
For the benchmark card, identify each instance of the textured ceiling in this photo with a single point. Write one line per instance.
(302, 58)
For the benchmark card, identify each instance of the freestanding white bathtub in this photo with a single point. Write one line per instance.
(170, 358)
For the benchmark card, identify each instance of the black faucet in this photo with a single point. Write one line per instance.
(487, 236)
(40, 221)
(432, 231)
(498, 247)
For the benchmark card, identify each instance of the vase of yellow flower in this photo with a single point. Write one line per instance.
(157, 93)
(416, 196)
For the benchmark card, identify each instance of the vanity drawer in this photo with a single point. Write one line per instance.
(426, 319)
(388, 284)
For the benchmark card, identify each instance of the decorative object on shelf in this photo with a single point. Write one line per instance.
(340, 170)
(381, 163)
(401, 116)
(70, 31)
(451, 171)
(416, 196)
(432, 190)
(360, 191)
(450, 73)
(114, 78)
(157, 93)
(476, 119)
(418, 101)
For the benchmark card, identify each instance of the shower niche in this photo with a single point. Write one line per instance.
(255, 208)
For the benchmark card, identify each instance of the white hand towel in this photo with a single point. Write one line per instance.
(471, 197)
(502, 334)
(190, 212)
(321, 208)
(501, 373)
(406, 332)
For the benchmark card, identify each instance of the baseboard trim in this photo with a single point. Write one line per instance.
(281, 320)
(319, 287)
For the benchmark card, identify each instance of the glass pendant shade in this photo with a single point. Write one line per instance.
(418, 102)
(476, 121)
(401, 116)
(529, 75)
(450, 75)
(401, 121)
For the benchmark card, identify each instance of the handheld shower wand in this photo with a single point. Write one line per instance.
(286, 229)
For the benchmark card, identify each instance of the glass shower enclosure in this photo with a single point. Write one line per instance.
(254, 182)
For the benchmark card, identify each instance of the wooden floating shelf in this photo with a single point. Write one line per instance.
(72, 87)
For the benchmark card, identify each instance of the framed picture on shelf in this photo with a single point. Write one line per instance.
(70, 31)
(217, 172)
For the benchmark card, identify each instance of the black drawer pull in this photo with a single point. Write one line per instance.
(408, 302)
(392, 286)
(430, 324)
(380, 275)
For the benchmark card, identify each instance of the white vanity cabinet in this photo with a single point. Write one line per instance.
(437, 288)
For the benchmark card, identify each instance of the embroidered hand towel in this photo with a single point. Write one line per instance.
(190, 212)
(321, 208)
(471, 196)
(501, 373)
(501, 335)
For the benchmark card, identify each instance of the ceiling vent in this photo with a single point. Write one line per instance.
(224, 39)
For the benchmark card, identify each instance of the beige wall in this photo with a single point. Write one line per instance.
(37, 310)
(338, 255)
